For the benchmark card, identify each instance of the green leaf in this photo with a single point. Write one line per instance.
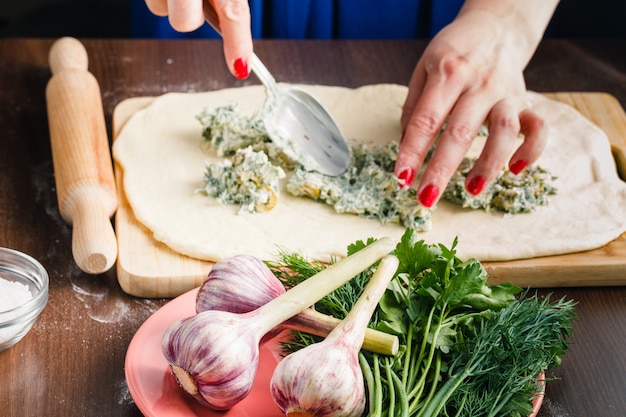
(494, 297)
(445, 339)
(358, 245)
(470, 279)
(414, 255)
(392, 314)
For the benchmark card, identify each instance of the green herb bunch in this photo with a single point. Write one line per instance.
(467, 348)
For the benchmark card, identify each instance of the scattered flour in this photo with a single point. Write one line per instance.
(553, 408)
(123, 394)
(104, 306)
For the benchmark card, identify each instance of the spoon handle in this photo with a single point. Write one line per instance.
(264, 75)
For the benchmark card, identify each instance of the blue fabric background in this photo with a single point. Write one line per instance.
(320, 19)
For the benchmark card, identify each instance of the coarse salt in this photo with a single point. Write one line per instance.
(13, 294)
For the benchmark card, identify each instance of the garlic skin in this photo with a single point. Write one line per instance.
(325, 379)
(333, 387)
(238, 284)
(218, 374)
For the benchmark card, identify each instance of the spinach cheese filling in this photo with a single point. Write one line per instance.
(509, 193)
(247, 179)
(368, 188)
(251, 174)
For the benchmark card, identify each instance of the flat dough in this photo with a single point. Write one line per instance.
(159, 150)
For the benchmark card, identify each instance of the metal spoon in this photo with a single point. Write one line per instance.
(297, 122)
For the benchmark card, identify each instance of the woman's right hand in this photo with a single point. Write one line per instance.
(472, 73)
(233, 23)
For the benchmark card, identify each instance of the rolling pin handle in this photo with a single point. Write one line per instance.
(94, 245)
(68, 53)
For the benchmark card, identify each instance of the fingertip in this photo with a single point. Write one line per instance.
(185, 16)
(517, 166)
(475, 184)
(241, 69)
(406, 177)
(429, 195)
(234, 23)
(185, 25)
(157, 7)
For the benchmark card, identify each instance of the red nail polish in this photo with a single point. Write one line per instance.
(517, 166)
(475, 185)
(406, 177)
(241, 68)
(428, 195)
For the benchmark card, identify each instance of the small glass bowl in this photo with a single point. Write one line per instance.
(17, 321)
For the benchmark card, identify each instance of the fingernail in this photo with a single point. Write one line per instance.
(241, 68)
(428, 195)
(475, 185)
(406, 177)
(517, 166)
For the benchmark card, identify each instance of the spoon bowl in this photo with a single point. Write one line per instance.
(302, 127)
(296, 121)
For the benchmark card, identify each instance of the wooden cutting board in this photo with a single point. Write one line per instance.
(147, 268)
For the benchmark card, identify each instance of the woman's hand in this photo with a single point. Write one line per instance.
(230, 17)
(472, 73)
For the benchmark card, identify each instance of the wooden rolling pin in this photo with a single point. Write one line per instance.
(81, 156)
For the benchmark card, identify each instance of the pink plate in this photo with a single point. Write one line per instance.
(156, 392)
(538, 400)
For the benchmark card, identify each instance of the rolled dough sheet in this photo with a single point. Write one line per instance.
(160, 152)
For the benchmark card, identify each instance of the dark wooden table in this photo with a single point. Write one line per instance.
(72, 361)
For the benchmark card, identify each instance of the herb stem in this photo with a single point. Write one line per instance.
(368, 376)
(378, 385)
(391, 389)
(434, 407)
(402, 398)
(417, 391)
(407, 355)
(433, 387)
